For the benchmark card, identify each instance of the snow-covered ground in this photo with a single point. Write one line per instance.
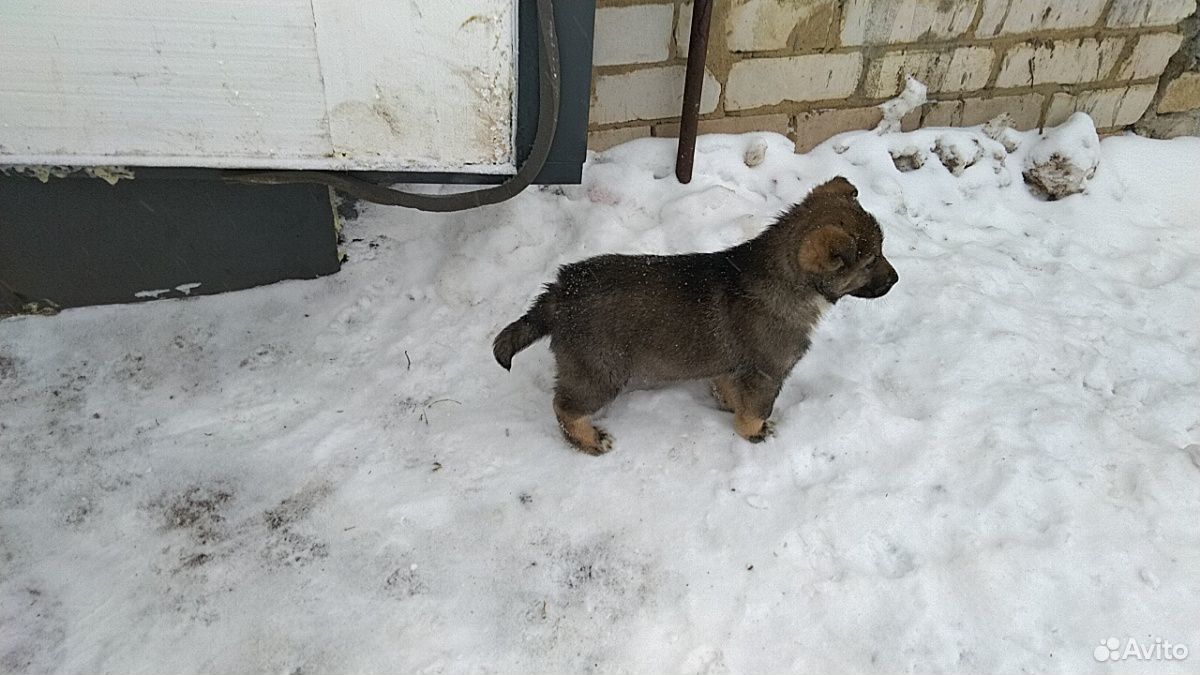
(991, 469)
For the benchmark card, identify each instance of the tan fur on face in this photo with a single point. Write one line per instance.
(827, 249)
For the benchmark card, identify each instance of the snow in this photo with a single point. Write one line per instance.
(1065, 158)
(1000, 129)
(911, 98)
(959, 151)
(993, 468)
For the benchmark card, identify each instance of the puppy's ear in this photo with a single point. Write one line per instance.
(837, 186)
(827, 249)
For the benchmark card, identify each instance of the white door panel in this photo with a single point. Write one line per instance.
(442, 95)
(329, 84)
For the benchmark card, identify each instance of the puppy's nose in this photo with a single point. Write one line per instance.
(886, 284)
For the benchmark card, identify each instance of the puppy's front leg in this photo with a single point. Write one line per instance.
(751, 395)
(723, 392)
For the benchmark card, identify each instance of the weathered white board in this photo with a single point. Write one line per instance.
(432, 81)
(304, 84)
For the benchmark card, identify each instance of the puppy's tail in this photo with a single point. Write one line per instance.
(524, 331)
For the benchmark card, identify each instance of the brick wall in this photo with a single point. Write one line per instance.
(814, 68)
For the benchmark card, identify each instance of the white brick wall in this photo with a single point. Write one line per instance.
(873, 22)
(963, 69)
(772, 61)
(1150, 55)
(1059, 61)
(1126, 13)
(1025, 110)
(1107, 107)
(634, 34)
(1004, 17)
(761, 82)
(648, 94)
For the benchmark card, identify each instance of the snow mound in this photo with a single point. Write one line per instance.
(958, 151)
(910, 99)
(1065, 158)
(907, 156)
(1000, 129)
(756, 151)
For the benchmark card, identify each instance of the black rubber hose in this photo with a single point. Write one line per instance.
(549, 92)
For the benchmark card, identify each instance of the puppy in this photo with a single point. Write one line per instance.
(740, 317)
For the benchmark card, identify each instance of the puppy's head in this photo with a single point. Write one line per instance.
(841, 249)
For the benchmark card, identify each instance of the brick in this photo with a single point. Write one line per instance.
(1128, 13)
(606, 138)
(963, 69)
(1183, 93)
(814, 127)
(683, 30)
(1170, 126)
(1107, 107)
(877, 22)
(761, 82)
(1025, 109)
(647, 94)
(1059, 61)
(818, 26)
(760, 25)
(1150, 55)
(765, 25)
(634, 34)
(778, 123)
(1006, 17)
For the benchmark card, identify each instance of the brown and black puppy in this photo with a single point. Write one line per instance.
(741, 317)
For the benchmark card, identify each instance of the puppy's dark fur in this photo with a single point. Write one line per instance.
(740, 317)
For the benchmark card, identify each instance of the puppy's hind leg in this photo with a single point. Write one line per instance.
(576, 397)
(581, 433)
(577, 426)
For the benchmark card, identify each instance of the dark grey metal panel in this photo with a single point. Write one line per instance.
(80, 241)
(574, 21)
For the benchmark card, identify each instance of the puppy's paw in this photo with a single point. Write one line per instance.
(606, 440)
(600, 443)
(767, 431)
(753, 429)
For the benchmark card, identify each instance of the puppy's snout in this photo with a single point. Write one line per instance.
(890, 279)
(881, 282)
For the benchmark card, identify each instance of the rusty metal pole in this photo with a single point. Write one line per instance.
(692, 88)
